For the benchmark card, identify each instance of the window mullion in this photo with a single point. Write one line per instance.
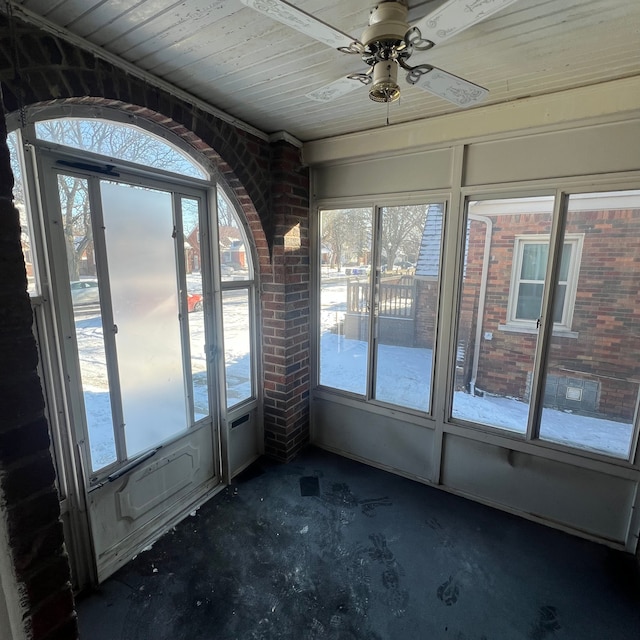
(545, 330)
(374, 283)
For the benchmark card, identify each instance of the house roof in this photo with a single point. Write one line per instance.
(428, 264)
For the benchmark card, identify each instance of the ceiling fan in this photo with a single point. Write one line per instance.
(387, 44)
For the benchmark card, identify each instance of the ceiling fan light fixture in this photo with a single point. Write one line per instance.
(384, 87)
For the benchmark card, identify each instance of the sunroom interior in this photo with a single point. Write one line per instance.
(204, 267)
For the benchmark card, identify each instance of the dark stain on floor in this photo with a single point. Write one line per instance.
(328, 549)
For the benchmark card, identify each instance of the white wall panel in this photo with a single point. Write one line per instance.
(381, 440)
(589, 150)
(582, 499)
(397, 174)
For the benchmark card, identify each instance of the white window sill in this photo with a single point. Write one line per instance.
(558, 332)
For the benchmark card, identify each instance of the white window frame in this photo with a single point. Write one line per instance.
(516, 324)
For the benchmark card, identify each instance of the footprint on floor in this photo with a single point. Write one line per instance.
(449, 591)
(547, 623)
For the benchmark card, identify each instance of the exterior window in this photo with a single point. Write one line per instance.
(395, 294)
(527, 282)
(120, 141)
(237, 282)
(345, 276)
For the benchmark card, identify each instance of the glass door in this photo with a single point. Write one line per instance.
(135, 349)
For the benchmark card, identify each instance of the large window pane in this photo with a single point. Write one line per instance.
(506, 240)
(237, 345)
(345, 237)
(236, 273)
(142, 270)
(235, 257)
(593, 375)
(83, 281)
(406, 303)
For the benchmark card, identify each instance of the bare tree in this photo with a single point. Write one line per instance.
(402, 229)
(346, 234)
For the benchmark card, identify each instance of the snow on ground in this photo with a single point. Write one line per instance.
(404, 380)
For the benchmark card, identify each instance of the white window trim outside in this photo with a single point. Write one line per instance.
(562, 328)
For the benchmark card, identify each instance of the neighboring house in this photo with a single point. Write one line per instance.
(232, 249)
(192, 251)
(591, 367)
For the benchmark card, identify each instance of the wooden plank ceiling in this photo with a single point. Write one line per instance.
(259, 71)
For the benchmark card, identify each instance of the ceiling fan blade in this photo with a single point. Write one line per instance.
(301, 21)
(452, 88)
(333, 90)
(456, 15)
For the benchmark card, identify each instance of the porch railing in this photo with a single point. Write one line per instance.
(395, 300)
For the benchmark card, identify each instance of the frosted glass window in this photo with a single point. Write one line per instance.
(139, 231)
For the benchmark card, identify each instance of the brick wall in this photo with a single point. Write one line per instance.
(27, 476)
(286, 310)
(427, 292)
(272, 188)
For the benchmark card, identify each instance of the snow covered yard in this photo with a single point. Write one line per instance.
(405, 380)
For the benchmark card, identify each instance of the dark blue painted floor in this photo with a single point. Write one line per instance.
(327, 548)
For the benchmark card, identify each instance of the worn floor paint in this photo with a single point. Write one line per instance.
(325, 548)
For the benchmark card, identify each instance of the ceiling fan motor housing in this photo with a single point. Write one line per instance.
(387, 24)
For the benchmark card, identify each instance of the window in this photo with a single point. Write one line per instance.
(378, 301)
(120, 141)
(238, 306)
(527, 281)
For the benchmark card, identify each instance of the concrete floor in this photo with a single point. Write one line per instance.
(327, 548)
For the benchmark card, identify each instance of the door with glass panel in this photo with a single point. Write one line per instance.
(136, 347)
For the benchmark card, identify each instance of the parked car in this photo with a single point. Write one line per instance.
(85, 292)
(194, 302)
